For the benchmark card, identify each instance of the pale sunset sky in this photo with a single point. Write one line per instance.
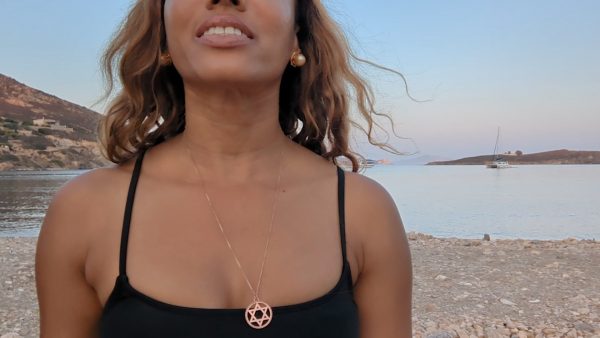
(531, 67)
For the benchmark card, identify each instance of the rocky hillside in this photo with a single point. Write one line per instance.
(562, 156)
(42, 131)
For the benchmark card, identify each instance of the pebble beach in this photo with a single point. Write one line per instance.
(463, 288)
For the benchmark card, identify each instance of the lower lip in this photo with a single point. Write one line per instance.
(224, 41)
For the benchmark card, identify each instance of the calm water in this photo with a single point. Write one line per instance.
(534, 202)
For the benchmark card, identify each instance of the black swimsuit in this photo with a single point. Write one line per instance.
(132, 314)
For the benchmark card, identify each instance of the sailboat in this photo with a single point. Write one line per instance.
(498, 162)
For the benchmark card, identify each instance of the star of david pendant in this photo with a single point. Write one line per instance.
(259, 314)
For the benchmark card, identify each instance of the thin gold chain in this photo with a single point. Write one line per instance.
(275, 198)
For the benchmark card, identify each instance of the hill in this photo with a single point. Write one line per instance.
(562, 156)
(420, 160)
(41, 131)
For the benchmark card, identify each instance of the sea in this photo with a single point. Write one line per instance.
(464, 201)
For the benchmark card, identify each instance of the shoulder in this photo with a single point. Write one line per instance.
(89, 188)
(73, 214)
(364, 190)
(374, 217)
(371, 203)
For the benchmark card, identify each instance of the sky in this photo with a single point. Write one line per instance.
(528, 67)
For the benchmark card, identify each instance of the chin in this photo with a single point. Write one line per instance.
(232, 75)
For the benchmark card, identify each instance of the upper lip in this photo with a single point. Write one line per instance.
(224, 21)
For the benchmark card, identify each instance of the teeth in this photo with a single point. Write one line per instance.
(224, 31)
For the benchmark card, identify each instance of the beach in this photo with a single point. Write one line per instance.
(462, 287)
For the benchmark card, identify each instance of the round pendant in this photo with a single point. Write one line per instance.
(259, 314)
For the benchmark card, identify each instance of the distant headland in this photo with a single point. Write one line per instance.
(562, 156)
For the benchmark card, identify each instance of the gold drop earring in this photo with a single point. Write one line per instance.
(165, 59)
(298, 59)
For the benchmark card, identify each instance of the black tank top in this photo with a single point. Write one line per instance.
(132, 314)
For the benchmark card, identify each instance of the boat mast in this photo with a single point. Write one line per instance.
(496, 146)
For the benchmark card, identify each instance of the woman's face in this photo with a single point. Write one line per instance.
(230, 41)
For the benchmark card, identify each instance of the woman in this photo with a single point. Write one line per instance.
(241, 215)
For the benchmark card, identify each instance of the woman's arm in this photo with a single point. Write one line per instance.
(383, 290)
(68, 305)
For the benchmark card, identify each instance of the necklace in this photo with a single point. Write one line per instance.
(258, 313)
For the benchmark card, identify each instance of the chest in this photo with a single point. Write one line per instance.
(183, 252)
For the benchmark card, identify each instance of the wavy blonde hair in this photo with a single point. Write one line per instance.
(317, 95)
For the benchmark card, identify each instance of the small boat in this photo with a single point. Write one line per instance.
(498, 162)
(366, 163)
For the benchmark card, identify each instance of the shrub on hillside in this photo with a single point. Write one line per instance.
(59, 133)
(8, 158)
(11, 125)
(35, 142)
(44, 131)
(57, 162)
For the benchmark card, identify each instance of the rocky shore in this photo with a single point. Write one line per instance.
(462, 288)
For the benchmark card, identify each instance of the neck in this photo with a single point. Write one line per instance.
(232, 133)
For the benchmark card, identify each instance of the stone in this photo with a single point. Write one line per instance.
(440, 277)
(478, 330)
(506, 302)
(11, 335)
(509, 324)
(490, 332)
(442, 334)
(583, 310)
(431, 324)
(584, 327)
(430, 307)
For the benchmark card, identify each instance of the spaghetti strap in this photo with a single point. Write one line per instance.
(127, 217)
(341, 210)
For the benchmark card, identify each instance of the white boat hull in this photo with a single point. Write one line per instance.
(498, 165)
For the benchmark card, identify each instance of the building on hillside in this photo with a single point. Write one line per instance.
(51, 124)
(43, 122)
